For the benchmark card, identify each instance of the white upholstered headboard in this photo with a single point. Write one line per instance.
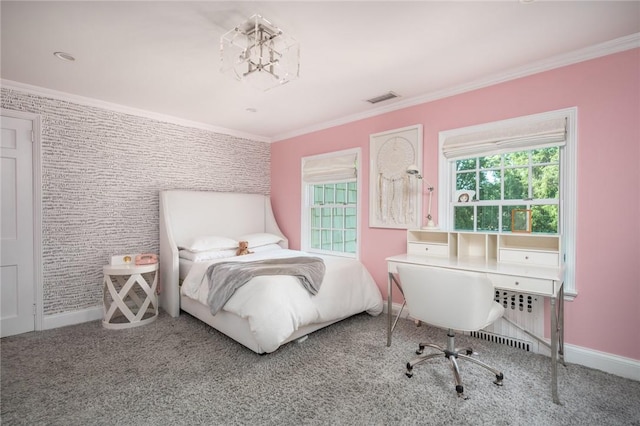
(187, 214)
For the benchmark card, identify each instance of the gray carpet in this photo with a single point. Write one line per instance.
(181, 372)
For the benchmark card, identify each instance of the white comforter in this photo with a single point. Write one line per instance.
(276, 306)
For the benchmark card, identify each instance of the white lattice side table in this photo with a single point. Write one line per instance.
(128, 299)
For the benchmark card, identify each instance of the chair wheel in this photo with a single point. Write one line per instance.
(459, 389)
(409, 375)
(469, 352)
(420, 350)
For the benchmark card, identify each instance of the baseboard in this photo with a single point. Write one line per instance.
(71, 318)
(609, 363)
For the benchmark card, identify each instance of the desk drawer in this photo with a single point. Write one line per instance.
(427, 249)
(522, 284)
(532, 257)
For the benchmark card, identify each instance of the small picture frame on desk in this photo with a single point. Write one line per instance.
(521, 220)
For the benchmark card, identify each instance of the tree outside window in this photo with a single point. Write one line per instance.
(504, 182)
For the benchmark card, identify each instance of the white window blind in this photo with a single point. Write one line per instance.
(330, 169)
(530, 135)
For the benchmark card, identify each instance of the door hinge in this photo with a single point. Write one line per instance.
(33, 137)
(34, 309)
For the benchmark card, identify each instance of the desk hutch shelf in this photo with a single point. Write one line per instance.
(534, 249)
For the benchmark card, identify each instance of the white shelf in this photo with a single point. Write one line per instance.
(534, 249)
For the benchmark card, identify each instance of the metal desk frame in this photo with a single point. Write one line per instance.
(556, 300)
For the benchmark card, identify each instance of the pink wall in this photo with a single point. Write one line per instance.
(605, 315)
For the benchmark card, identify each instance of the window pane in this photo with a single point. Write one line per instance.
(468, 164)
(329, 191)
(466, 181)
(338, 218)
(326, 240)
(544, 219)
(315, 238)
(546, 182)
(516, 183)
(463, 218)
(341, 193)
(315, 217)
(506, 216)
(490, 162)
(350, 237)
(489, 185)
(517, 158)
(546, 155)
(350, 218)
(326, 218)
(318, 192)
(488, 218)
(337, 243)
(353, 192)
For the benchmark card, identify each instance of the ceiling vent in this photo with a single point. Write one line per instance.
(381, 98)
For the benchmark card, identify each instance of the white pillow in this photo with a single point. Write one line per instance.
(267, 247)
(201, 256)
(260, 239)
(211, 242)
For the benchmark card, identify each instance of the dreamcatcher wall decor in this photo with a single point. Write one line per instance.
(395, 200)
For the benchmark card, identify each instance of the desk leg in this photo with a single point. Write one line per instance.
(389, 307)
(561, 324)
(392, 323)
(557, 340)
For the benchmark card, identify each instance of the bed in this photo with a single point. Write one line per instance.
(268, 311)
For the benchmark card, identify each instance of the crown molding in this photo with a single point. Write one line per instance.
(603, 49)
(592, 52)
(50, 93)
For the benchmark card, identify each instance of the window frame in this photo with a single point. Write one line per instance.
(568, 184)
(306, 203)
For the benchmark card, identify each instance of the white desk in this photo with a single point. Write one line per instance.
(536, 280)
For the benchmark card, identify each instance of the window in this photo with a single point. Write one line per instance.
(522, 163)
(331, 199)
(334, 217)
(504, 182)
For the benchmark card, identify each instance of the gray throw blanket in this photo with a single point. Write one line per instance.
(226, 277)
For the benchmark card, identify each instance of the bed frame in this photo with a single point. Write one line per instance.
(187, 214)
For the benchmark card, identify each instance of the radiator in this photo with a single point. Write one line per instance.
(523, 309)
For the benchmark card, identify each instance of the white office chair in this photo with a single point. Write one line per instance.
(453, 300)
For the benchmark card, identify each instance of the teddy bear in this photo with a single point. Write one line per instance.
(243, 248)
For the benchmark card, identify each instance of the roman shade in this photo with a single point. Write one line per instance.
(330, 169)
(524, 136)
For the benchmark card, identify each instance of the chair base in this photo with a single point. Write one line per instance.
(452, 354)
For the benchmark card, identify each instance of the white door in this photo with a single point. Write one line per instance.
(17, 289)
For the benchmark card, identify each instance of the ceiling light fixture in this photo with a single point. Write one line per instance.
(259, 53)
